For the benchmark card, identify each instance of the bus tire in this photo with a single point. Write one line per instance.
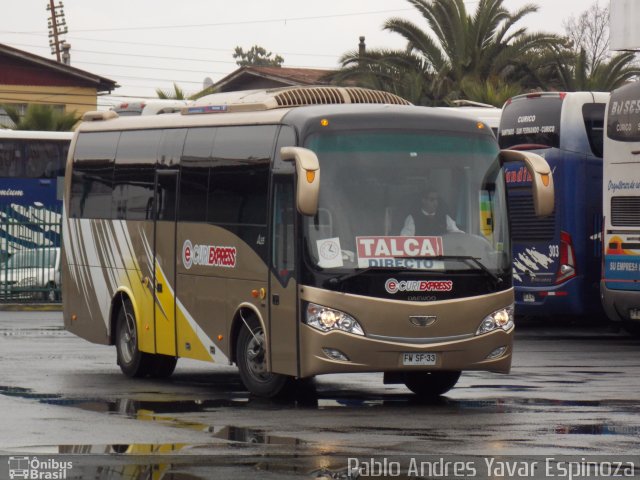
(252, 362)
(431, 384)
(132, 361)
(162, 366)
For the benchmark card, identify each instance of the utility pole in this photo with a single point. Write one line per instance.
(57, 27)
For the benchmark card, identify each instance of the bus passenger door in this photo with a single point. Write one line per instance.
(165, 261)
(164, 250)
(283, 299)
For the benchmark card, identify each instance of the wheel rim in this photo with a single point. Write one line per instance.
(255, 356)
(128, 339)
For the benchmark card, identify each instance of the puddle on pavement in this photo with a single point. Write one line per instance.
(202, 461)
(597, 429)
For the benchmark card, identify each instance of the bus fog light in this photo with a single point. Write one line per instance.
(335, 354)
(502, 318)
(497, 353)
(326, 319)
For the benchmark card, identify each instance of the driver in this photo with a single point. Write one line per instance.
(430, 219)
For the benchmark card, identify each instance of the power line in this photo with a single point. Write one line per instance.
(242, 22)
(165, 45)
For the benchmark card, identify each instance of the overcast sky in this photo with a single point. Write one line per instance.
(148, 44)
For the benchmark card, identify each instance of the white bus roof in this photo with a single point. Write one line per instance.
(35, 135)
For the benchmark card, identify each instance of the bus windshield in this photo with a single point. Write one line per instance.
(408, 200)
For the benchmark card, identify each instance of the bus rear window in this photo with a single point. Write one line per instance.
(531, 122)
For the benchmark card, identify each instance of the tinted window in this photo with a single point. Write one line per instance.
(134, 175)
(32, 158)
(531, 121)
(286, 138)
(593, 114)
(239, 175)
(194, 174)
(11, 159)
(92, 180)
(623, 122)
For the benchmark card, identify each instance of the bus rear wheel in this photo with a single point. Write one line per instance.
(252, 362)
(431, 384)
(132, 361)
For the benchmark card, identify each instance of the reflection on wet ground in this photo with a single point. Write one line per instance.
(166, 408)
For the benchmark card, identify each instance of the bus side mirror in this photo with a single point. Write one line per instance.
(308, 178)
(541, 178)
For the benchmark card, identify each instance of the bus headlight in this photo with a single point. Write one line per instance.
(326, 319)
(502, 318)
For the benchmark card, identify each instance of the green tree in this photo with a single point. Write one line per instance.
(585, 63)
(176, 94)
(257, 57)
(458, 54)
(575, 73)
(41, 117)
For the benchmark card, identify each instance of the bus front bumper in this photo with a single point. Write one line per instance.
(620, 305)
(374, 355)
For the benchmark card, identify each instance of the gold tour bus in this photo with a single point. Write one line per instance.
(292, 232)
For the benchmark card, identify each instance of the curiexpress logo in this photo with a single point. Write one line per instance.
(208, 255)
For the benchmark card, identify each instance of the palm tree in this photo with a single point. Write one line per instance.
(176, 94)
(41, 117)
(457, 50)
(604, 76)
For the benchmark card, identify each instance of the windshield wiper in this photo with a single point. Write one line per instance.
(475, 261)
(336, 281)
(339, 280)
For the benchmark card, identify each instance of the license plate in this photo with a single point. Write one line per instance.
(634, 314)
(419, 358)
(529, 297)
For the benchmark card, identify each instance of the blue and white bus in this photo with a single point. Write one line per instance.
(31, 188)
(557, 259)
(620, 285)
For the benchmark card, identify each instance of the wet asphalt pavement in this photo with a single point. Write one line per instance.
(574, 390)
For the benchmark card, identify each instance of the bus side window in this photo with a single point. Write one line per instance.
(168, 159)
(239, 177)
(593, 115)
(92, 180)
(194, 174)
(134, 176)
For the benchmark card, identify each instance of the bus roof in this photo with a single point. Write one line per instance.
(35, 135)
(298, 104)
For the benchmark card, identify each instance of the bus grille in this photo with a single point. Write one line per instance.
(525, 226)
(625, 211)
(300, 96)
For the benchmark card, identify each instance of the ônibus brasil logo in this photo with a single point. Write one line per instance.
(394, 286)
(208, 255)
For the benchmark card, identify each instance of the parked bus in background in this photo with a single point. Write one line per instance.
(31, 187)
(557, 259)
(149, 107)
(265, 230)
(484, 112)
(620, 285)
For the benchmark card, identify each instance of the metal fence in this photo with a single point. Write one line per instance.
(30, 239)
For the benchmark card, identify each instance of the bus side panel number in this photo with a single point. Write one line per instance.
(419, 358)
(554, 251)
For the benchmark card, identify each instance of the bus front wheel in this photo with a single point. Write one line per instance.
(252, 362)
(431, 384)
(132, 361)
